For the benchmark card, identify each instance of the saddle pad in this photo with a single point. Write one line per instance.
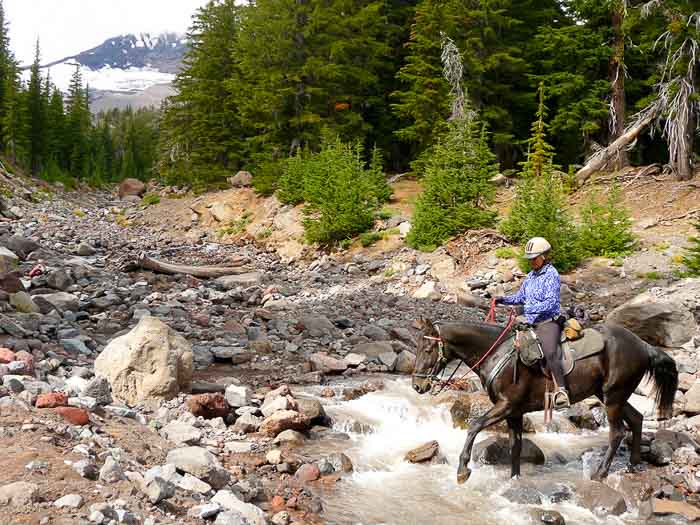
(590, 344)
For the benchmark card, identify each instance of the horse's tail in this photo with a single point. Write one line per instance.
(663, 369)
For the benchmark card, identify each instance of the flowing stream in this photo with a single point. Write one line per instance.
(385, 489)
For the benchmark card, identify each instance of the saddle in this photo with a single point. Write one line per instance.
(587, 343)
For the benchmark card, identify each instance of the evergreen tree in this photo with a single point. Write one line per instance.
(539, 207)
(37, 107)
(78, 127)
(606, 229)
(7, 79)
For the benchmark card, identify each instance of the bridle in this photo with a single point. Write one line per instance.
(435, 374)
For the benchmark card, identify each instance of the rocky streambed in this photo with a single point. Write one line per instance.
(280, 394)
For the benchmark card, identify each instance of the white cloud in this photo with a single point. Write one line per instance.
(67, 27)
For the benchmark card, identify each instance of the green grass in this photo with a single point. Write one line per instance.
(345, 244)
(150, 199)
(390, 272)
(651, 276)
(264, 234)
(369, 238)
(236, 227)
(662, 246)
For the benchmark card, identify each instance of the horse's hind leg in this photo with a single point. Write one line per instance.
(515, 425)
(498, 412)
(634, 420)
(617, 432)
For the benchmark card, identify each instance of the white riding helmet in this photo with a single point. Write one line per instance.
(536, 246)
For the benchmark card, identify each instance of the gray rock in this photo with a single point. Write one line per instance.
(192, 484)
(197, 461)
(247, 423)
(289, 436)
(111, 472)
(375, 333)
(496, 451)
(326, 364)
(373, 350)
(318, 326)
(388, 359)
(202, 512)
(75, 346)
(61, 301)
(230, 517)
(166, 472)
(23, 303)
(86, 468)
(19, 493)
(239, 447)
(245, 280)
(159, 489)
(98, 387)
(181, 433)
(405, 362)
(229, 501)
(12, 328)
(59, 280)
(71, 501)
(8, 260)
(88, 403)
(85, 250)
(238, 396)
(600, 499)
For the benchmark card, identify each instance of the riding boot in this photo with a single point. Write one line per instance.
(561, 396)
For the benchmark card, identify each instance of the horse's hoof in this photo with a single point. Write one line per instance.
(515, 477)
(598, 477)
(462, 477)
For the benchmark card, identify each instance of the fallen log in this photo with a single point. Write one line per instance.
(601, 158)
(205, 272)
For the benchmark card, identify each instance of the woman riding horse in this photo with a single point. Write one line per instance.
(539, 294)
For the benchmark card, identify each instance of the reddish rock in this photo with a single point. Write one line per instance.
(28, 360)
(284, 420)
(292, 502)
(201, 319)
(52, 400)
(75, 416)
(131, 187)
(208, 406)
(234, 327)
(6, 356)
(277, 502)
(11, 283)
(308, 472)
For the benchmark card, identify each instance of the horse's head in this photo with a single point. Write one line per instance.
(430, 357)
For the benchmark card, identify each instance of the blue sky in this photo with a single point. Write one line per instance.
(67, 27)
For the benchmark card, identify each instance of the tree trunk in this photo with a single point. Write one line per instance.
(204, 272)
(603, 157)
(616, 73)
(684, 163)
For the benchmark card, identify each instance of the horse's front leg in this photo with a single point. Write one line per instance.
(515, 425)
(498, 412)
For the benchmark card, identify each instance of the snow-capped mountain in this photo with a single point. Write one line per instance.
(125, 70)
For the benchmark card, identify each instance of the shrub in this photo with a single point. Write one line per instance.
(369, 238)
(506, 253)
(150, 199)
(606, 229)
(341, 194)
(692, 257)
(457, 186)
(539, 207)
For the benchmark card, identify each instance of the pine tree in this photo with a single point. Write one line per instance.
(539, 207)
(7, 78)
(78, 127)
(37, 117)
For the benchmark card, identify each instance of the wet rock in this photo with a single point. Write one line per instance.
(131, 187)
(52, 400)
(534, 422)
(158, 490)
(582, 417)
(19, 493)
(370, 386)
(249, 512)
(547, 517)
(327, 364)
(22, 302)
(495, 450)
(208, 406)
(71, 501)
(423, 453)
(658, 322)
(469, 407)
(312, 409)
(308, 472)
(75, 416)
(600, 499)
(341, 462)
(663, 507)
(405, 362)
(151, 361)
(284, 420)
(523, 494)
(289, 436)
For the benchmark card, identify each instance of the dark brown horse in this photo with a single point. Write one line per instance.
(611, 375)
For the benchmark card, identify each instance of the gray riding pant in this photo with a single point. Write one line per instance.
(549, 334)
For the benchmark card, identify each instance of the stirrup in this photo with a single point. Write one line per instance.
(561, 399)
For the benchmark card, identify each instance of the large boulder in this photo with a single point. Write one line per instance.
(8, 260)
(131, 187)
(19, 493)
(200, 463)
(152, 361)
(657, 322)
(495, 450)
(248, 512)
(242, 179)
(61, 301)
(600, 498)
(284, 420)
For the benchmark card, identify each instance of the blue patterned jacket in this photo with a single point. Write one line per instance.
(539, 293)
